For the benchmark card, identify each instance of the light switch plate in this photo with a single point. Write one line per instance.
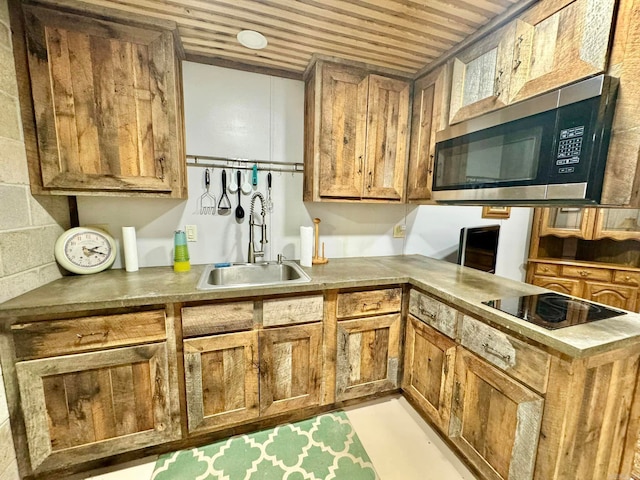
(399, 231)
(192, 233)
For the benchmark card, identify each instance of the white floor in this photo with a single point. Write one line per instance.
(400, 444)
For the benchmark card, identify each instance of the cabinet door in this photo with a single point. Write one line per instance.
(221, 378)
(343, 129)
(87, 406)
(610, 294)
(428, 370)
(557, 46)
(481, 75)
(495, 421)
(617, 223)
(290, 368)
(368, 356)
(425, 122)
(567, 286)
(105, 103)
(387, 138)
(567, 222)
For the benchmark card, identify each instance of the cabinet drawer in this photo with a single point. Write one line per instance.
(547, 269)
(217, 318)
(520, 360)
(626, 278)
(73, 335)
(587, 273)
(372, 302)
(289, 311)
(433, 312)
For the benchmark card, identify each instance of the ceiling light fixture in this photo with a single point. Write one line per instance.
(252, 39)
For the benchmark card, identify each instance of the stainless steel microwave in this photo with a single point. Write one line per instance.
(548, 149)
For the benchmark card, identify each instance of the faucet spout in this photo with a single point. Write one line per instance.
(253, 253)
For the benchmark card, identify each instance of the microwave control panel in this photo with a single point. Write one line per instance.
(569, 148)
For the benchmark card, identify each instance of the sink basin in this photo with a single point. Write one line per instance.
(251, 274)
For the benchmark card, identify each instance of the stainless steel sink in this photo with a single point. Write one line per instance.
(251, 274)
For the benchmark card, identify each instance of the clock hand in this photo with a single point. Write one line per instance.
(89, 251)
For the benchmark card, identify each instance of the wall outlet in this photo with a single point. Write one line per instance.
(399, 231)
(192, 233)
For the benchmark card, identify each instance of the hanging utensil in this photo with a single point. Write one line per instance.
(239, 209)
(246, 185)
(254, 176)
(269, 201)
(207, 201)
(224, 206)
(233, 186)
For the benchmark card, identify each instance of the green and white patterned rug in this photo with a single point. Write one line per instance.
(321, 448)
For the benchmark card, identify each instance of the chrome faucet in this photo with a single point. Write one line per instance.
(253, 253)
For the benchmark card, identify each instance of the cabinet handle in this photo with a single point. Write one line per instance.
(426, 313)
(492, 351)
(584, 273)
(370, 181)
(627, 278)
(104, 335)
(497, 91)
(360, 164)
(430, 168)
(517, 62)
(545, 269)
(368, 307)
(161, 162)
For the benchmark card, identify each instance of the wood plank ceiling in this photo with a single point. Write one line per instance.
(403, 35)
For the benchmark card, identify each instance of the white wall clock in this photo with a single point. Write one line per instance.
(85, 250)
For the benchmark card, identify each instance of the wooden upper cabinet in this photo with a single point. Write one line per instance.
(568, 222)
(107, 106)
(617, 224)
(557, 43)
(356, 134)
(480, 76)
(426, 120)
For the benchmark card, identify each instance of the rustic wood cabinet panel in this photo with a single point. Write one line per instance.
(440, 316)
(289, 311)
(217, 318)
(290, 368)
(429, 361)
(369, 302)
(558, 43)
(480, 76)
(558, 284)
(87, 406)
(495, 421)
(426, 119)
(367, 356)
(611, 294)
(107, 105)
(221, 379)
(356, 134)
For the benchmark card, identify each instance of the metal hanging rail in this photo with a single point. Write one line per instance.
(243, 164)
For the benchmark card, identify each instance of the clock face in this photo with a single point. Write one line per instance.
(85, 250)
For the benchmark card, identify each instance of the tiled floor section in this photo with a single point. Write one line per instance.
(400, 444)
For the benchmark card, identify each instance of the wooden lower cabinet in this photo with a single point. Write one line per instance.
(290, 368)
(221, 379)
(495, 420)
(367, 356)
(611, 294)
(429, 360)
(88, 406)
(562, 285)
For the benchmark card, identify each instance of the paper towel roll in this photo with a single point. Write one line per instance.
(306, 246)
(130, 248)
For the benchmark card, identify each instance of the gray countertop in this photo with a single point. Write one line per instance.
(460, 286)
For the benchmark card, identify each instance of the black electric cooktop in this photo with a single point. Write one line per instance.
(553, 310)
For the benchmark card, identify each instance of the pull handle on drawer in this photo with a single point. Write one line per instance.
(369, 307)
(584, 273)
(492, 351)
(104, 335)
(426, 313)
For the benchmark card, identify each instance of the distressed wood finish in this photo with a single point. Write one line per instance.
(217, 318)
(429, 361)
(370, 302)
(290, 311)
(106, 105)
(58, 337)
(367, 359)
(481, 75)
(290, 368)
(428, 117)
(387, 138)
(495, 421)
(558, 43)
(521, 360)
(86, 406)
(221, 379)
(433, 312)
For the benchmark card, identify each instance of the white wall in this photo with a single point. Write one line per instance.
(246, 115)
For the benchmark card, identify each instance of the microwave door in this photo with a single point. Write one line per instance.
(516, 155)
